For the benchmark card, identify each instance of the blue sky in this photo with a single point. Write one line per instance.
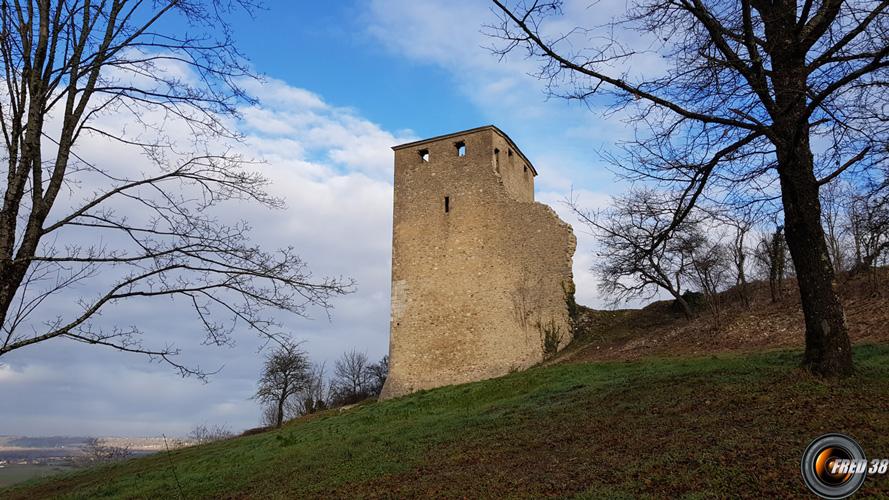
(345, 81)
(333, 53)
(420, 66)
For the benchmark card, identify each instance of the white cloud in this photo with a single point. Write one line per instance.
(334, 169)
(276, 93)
(18, 376)
(455, 35)
(304, 128)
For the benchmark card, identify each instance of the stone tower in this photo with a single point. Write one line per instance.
(480, 271)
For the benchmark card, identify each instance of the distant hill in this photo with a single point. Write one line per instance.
(24, 447)
(42, 442)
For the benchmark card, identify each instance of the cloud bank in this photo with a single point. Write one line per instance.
(333, 168)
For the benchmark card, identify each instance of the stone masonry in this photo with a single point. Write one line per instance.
(480, 271)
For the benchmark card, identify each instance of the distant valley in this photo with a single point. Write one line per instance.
(23, 457)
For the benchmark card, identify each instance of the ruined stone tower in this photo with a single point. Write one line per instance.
(480, 271)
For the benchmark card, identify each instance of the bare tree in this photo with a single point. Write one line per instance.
(351, 378)
(748, 86)
(771, 255)
(96, 452)
(633, 261)
(316, 395)
(710, 266)
(116, 71)
(205, 433)
(378, 372)
(742, 220)
(285, 375)
(738, 253)
(313, 396)
(868, 216)
(834, 198)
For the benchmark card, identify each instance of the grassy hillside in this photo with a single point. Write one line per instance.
(12, 474)
(727, 425)
(659, 330)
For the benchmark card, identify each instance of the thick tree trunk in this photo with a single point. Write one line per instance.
(828, 350)
(686, 308)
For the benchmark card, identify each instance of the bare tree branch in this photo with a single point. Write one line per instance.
(133, 232)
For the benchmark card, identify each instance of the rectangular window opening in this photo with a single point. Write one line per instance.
(424, 154)
(461, 148)
(497, 160)
(526, 169)
(447, 204)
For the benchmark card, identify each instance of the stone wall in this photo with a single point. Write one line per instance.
(479, 270)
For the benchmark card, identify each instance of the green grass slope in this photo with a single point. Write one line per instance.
(727, 426)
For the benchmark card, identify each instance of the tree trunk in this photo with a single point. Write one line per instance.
(279, 416)
(773, 274)
(739, 264)
(742, 285)
(828, 350)
(686, 309)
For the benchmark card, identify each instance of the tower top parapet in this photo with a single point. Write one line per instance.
(457, 135)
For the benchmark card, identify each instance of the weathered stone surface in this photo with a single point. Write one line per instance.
(479, 269)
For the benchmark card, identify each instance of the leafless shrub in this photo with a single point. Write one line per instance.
(710, 264)
(378, 372)
(351, 379)
(551, 337)
(204, 433)
(96, 452)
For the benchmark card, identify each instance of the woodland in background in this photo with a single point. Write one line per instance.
(291, 385)
(717, 248)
